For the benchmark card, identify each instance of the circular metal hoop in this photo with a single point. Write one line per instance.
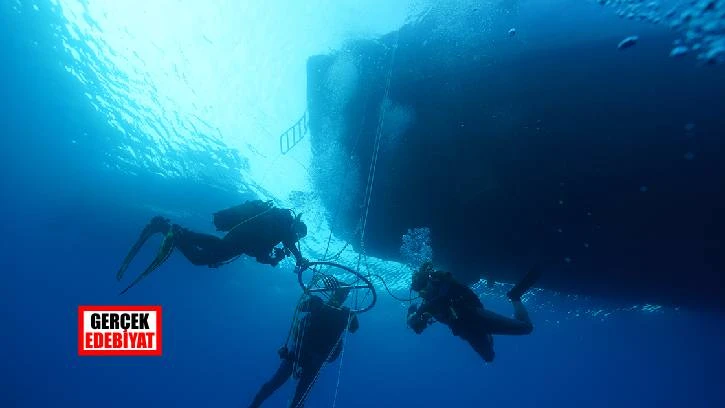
(365, 285)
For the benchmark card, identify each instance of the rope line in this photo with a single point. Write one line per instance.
(364, 219)
(342, 357)
(410, 299)
(268, 203)
(378, 139)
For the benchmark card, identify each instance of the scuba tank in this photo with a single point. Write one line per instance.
(229, 218)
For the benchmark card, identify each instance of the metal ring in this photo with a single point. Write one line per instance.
(367, 285)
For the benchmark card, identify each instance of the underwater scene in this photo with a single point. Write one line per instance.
(344, 203)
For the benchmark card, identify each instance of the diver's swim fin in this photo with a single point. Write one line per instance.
(157, 224)
(167, 247)
(525, 284)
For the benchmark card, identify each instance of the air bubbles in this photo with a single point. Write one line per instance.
(679, 51)
(629, 41)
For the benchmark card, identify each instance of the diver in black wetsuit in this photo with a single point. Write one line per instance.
(253, 228)
(456, 305)
(319, 340)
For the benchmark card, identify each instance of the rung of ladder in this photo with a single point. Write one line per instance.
(289, 138)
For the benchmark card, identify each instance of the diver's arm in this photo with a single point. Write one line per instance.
(290, 246)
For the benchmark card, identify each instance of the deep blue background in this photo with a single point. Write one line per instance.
(67, 223)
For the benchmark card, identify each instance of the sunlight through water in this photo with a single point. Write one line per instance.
(196, 87)
(202, 85)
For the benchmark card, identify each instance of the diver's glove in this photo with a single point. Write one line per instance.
(417, 321)
(279, 254)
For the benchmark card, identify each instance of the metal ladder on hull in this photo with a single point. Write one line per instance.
(289, 138)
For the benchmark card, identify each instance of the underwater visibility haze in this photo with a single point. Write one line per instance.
(489, 138)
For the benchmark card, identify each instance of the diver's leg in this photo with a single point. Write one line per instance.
(280, 377)
(200, 249)
(482, 343)
(167, 247)
(157, 224)
(307, 379)
(520, 312)
(521, 323)
(495, 323)
(525, 284)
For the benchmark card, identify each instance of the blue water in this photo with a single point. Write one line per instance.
(69, 216)
(223, 327)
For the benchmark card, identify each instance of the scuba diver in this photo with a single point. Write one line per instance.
(318, 339)
(254, 228)
(457, 306)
